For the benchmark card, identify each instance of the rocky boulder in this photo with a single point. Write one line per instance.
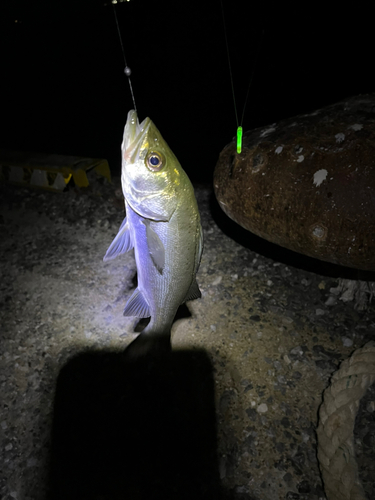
(308, 183)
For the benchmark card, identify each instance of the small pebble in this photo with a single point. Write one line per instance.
(331, 301)
(286, 359)
(32, 462)
(262, 408)
(346, 341)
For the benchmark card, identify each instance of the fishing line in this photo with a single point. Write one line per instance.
(239, 126)
(230, 68)
(127, 70)
(252, 75)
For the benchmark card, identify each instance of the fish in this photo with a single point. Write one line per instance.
(162, 224)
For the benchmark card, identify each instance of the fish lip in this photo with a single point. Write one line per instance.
(134, 132)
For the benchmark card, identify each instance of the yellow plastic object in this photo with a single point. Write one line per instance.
(51, 172)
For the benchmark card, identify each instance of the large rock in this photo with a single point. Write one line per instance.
(308, 183)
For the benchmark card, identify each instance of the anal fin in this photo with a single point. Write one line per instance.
(137, 305)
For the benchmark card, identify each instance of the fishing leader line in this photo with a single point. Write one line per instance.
(127, 70)
(239, 127)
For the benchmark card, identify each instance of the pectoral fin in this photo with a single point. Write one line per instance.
(155, 247)
(137, 305)
(121, 244)
(194, 292)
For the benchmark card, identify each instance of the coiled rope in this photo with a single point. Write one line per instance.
(336, 453)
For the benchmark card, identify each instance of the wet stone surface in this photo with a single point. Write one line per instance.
(263, 321)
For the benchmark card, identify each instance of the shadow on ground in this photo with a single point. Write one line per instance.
(135, 427)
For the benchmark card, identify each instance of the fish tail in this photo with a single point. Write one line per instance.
(157, 329)
(156, 332)
(148, 345)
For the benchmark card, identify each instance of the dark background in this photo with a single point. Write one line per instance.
(63, 88)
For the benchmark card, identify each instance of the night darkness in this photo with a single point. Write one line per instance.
(64, 90)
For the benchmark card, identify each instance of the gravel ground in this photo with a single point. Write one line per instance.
(261, 343)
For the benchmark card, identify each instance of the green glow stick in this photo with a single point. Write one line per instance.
(239, 139)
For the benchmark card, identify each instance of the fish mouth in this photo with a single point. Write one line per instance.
(134, 147)
(134, 133)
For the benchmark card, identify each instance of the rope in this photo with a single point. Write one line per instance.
(336, 453)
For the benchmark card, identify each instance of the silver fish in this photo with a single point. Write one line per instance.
(162, 224)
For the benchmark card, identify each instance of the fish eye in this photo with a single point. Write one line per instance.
(154, 161)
